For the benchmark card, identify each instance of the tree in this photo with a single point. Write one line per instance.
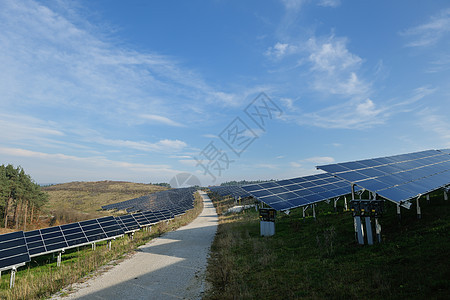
(19, 196)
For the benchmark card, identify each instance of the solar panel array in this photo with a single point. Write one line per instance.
(297, 192)
(16, 248)
(398, 178)
(173, 199)
(445, 150)
(13, 250)
(58, 238)
(231, 190)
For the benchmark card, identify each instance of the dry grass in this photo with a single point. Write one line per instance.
(76, 201)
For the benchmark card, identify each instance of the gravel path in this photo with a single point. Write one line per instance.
(169, 267)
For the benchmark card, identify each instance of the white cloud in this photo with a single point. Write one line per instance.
(320, 159)
(334, 67)
(430, 33)
(52, 167)
(162, 120)
(279, 50)
(437, 123)
(266, 166)
(293, 5)
(329, 3)
(50, 61)
(295, 164)
(164, 145)
(188, 162)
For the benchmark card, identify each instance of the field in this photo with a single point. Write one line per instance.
(75, 201)
(41, 277)
(320, 259)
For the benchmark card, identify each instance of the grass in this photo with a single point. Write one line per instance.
(320, 259)
(41, 277)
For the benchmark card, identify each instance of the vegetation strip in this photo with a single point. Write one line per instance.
(43, 278)
(320, 259)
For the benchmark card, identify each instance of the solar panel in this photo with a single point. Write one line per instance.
(141, 219)
(129, 223)
(232, 190)
(74, 235)
(13, 250)
(110, 227)
(151, 217)
(53, 238)
(297, 192)
(400, 177)
(445, 150)
(182, 197)
(35, 243)
(93, 230)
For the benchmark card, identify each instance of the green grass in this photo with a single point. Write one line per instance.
(41, 277)
(320, 259)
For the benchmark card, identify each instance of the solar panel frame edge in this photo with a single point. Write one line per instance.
(25, 255)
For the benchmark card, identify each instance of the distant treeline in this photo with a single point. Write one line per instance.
(164, 184)
(243, 182)
(21, 198)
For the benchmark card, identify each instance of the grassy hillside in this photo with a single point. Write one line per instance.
(74, 201)
(320, 259)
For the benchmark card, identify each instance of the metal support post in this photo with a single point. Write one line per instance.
(445, 195)
(0, 274)
(369, 231)
(353, 191)
(58, 259)
(304, 209)
(419, 214)
(398, 212)
(428, 198)
(314, 211)
(109, 245)
(13, 277)
(378, 230)
(93, 246)
(335, 201)
(345, 204)
(359, 230)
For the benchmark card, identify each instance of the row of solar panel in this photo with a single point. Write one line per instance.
(296, 192)
(397, 178)
(235, 191)
(18, 247)
(400, 177)
(170, 199)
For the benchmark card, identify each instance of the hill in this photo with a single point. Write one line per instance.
(75, 201)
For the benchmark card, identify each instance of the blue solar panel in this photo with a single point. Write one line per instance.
(128, 223)
(53, 238)
(34, 241)
(400, 177)
(93, 230)
(297, 192)
(13, 250)
(73, 234)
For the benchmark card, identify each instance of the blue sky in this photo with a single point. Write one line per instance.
(144, 90)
